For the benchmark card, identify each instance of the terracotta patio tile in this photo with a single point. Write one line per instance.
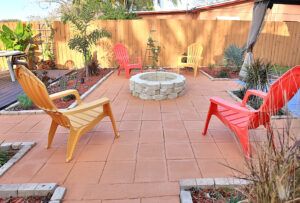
(43, 125)
(151, 171)
(182, 169)
(6, 127)
(101, 138)
(118, 172)
(176, 135)
(53, 172)
(122, 201)
(26, 125)
(179, 151)
(190, 125)
(165, 199)
(133, 116)
(206, 150)
(130, 125)
(122, 152)
(106, 126)
(238, 164)
(12, 119)
(59, 156)
(221, 135)
(195, 135)
(94, 153)
(131, 191)
(151, 151)
(231, 150)
(131, 108)
(190, 116)
(85, 172)
(169, 116)
(151, 136)
(214, 168)
(173, 125)
(151, 116)
(128, 137)
(39, 153)
(82, 201)
(151, 125)
(75, 192)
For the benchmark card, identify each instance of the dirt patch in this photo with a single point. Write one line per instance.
(71, 81)
(221, 72)
(216, 195)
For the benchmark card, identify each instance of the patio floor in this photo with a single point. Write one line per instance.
(160, 143)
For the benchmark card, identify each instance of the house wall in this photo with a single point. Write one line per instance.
(242, 11)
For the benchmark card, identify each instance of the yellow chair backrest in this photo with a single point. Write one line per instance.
(37, 92)
(194, 53)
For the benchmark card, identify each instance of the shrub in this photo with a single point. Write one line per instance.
(24, 101)
(155, 51)
(234, 57)
(223, 74)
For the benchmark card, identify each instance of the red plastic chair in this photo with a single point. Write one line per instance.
(240, 119)
(122, 57)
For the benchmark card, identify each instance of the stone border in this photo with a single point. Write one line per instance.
(236, 98)
(23, 148)
(29, 112)
(217, 79)
(186, 184)
(33, 189)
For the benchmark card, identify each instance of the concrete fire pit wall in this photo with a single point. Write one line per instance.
(157, 85)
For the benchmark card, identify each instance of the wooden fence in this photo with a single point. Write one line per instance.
(278, 43)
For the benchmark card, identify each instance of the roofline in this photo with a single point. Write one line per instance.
(195, 9)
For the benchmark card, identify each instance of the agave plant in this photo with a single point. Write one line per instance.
(17, 39)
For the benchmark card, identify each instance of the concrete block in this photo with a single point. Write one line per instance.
(185, 197)
(27, 189)
(8, 190)
(187, 183)
(205, 182)
(58, 194)
(42, 189)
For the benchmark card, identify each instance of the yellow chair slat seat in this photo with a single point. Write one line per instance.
(193, 58)
(79, 120)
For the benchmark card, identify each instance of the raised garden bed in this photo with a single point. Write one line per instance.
(70, 81)
(209, 190)
(31, 193)
(11, 153)
(219, 73)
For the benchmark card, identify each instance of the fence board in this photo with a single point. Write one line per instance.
(278, 43)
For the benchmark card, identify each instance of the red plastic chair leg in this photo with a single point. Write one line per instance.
(209, 114)
(243, 135)
(127, 71)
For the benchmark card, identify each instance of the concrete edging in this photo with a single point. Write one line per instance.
(30, 112)
(217, 79)
(23, 148)
(236, 98)
(186, 184)
(33, 189)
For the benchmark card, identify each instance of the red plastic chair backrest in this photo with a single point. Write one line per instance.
(121, 54)
(282, 91)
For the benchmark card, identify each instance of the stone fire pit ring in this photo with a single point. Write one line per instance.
(157, 85)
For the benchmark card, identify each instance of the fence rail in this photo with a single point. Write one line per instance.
(278, 43)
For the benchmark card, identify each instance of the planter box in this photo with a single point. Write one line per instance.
(217, 79)
(187, 184)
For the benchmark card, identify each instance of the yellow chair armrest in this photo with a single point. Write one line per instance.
(66, 93)
(87, 106)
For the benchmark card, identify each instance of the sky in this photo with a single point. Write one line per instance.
(23, 9)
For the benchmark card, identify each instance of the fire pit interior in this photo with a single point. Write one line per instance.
(157, 85)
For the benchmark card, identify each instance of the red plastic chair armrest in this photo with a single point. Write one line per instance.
(253, 92)
(230, 106)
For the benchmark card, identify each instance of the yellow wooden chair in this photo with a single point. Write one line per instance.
(79, 120)
(193, 58)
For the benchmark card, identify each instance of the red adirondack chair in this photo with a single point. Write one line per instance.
(122, 57)
(240, 119)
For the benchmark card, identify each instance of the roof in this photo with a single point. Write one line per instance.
(197, 5)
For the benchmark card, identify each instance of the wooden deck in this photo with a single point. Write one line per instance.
(8, 90)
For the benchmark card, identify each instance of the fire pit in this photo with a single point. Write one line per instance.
(157, 85)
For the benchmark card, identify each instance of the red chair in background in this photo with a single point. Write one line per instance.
(122, 57)
(240, 119)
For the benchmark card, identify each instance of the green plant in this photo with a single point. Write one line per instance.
(17, 39)
(81, 16)
(223, 74)
(115, 12)
(4, 157)
(24, 101)
(155, 51)
(233, 57)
